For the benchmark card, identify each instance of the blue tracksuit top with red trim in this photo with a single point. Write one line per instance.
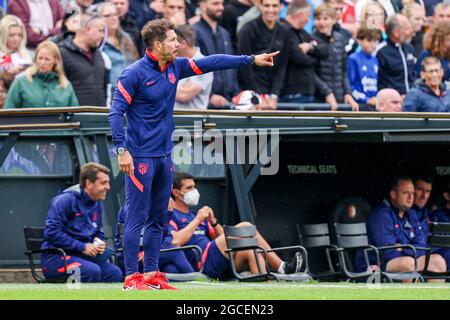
(73, 219)
(146, 94)
(441, 215)
(202, 235)
(385, 227)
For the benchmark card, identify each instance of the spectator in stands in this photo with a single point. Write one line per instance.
(214, 39)
(129, 23)
(70, 24)
(81, 5)
(74, 223)
(42, 18)
(203, 229)
(394, 222)
(430, 6)
(140, 11)
(251, 14)
(192, 92)
(437, 44)
(175, 11)
(429, 93)
(119, 46)
(442, 12)
(389, 100)
(331, 73)
(416, 15)
(423, 186)
(231, 13)
(395, 56)
(363, 68)
(3, 90)
(264, 34)
(348, 19)
(158, 7)
(390, 7)
(338, 5)
(44, 84)
(303, 53)
(14, 57)
(373, 17)
(83, 61)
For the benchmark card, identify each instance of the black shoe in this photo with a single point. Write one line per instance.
(295, 264)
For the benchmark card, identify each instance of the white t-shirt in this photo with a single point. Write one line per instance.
(205, 81)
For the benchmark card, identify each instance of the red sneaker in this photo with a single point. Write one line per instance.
(135, 282)
(158, 282)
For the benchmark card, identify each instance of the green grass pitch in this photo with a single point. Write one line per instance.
(204, 290)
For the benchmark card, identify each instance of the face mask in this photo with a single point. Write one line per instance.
(191, 198)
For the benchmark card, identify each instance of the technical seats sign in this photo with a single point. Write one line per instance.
(312, 169)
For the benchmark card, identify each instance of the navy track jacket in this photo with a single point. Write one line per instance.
(73, 220)
(147, 95)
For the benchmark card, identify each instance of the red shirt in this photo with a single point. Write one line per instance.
(349, 14)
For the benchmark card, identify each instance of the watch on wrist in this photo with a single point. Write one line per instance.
(121, 151)
(253, 58)
(215, 224)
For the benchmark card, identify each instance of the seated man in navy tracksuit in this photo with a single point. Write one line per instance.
(74, 223)
(443, 215)
(394, 222)
(203, 229)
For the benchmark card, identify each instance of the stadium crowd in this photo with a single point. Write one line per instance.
(331, 51)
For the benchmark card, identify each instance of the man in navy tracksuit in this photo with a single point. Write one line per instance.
(443, 215)
(146, 93)
(422, 191)
(74, 224)
(394, 222)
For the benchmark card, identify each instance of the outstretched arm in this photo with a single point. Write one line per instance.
(191, 67)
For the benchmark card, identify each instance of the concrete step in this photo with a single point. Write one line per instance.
(17, 276)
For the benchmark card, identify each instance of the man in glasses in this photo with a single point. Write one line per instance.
(429, 93)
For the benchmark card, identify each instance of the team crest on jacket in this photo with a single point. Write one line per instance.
(143, 168)
(172, 78)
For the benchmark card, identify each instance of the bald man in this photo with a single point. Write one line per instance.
(389, 100)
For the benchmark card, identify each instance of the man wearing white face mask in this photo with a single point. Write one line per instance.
(203, 229)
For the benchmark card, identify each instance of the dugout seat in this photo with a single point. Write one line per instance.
(244, 238)
(316, 239)
(439, 237)
(34, 236)
(352, 237)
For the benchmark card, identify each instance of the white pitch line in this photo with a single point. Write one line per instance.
(322, 286)
(235, 285)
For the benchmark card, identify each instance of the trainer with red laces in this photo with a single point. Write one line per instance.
(135, 282)
(156, 282)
